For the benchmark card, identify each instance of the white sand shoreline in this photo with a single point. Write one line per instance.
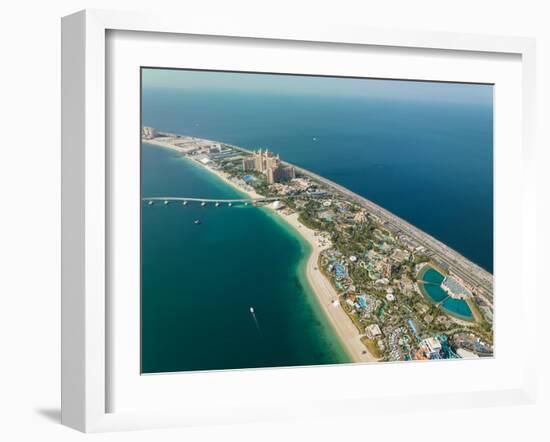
(326, 294)
(321, 287)
(164, 144)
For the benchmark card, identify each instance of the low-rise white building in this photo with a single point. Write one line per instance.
(372, 331)
(432, 346)
(277, 205)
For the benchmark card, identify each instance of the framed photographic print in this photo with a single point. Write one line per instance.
(257, 221)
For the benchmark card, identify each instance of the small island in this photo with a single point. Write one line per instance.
(390, 291)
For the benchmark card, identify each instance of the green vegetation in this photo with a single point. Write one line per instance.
(371, 346)
(366, 258)
(309, 220)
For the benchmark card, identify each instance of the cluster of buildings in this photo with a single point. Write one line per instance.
(456, 289)
(379, 266)
(395, 342)
(270, 165)
(379, 288)
(363, 303)
(217, 152)
(429, 348)
(472, 344)
(374, 268)
(148, 133)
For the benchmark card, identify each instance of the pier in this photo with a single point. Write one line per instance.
(468, 271)
(167, 199)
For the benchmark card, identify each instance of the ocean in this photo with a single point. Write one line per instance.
(199, 281)
(428, 161)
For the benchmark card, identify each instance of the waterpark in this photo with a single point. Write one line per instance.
(431, 283)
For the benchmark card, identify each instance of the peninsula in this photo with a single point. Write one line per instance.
(390, 291)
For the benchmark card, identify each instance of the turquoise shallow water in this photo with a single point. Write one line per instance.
(432, 287)
(199, 281)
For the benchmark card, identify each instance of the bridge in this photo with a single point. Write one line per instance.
(464, 268)
(168, 199)
(461, 266)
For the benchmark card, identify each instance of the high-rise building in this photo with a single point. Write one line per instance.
(280, 173)
(264, 160)
(149, 132)
(271, 162)
(258, 161)
(249, 164)
(270, 165)
(270, 176)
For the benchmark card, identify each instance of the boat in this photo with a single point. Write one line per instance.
(150, 203)
(165, 203)
(217, 204)
(197, 221)
(203, 204)
(229, 204)
(184, 203)
(251, 309)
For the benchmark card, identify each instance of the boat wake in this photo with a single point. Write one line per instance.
(254, 317)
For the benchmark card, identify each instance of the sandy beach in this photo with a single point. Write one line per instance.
(165, 144)
(326, 294)
(324, 291)
(225, 178)
(322, 288)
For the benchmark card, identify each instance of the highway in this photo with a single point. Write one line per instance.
(439, 252)
(461, 266)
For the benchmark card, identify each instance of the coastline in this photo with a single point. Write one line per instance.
(462, 266)
(322, 289)
(219, 174)
(324, 292)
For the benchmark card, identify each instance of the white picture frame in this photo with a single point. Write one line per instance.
(85, 211)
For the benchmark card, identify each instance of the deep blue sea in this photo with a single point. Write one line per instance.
(428, 161)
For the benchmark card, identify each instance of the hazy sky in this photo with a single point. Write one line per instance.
(292, 84)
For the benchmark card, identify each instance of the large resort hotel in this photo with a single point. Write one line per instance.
(391, 292)
(270, 165)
